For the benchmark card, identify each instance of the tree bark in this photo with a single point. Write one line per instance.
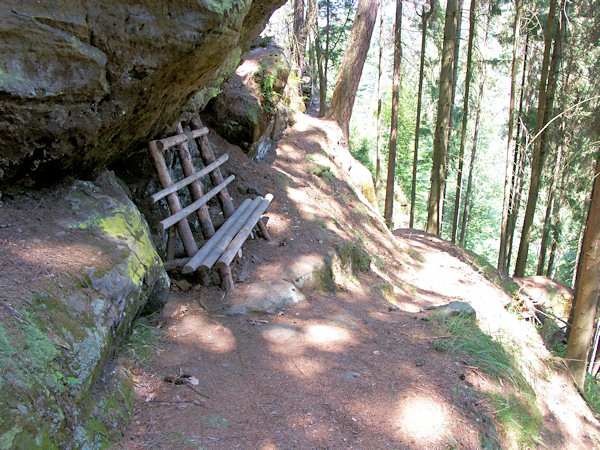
(413, 194)
(389, 187)
(452, 101)
(538, 157)
(379, 100)
(342, 100)
(440, 141)
(510, 168)
(467, 204)
(299, 36)
(465, 117)
(587, 291)
(519, 164)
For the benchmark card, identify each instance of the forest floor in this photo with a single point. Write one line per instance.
(353, 368)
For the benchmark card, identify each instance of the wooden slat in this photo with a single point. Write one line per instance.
(209, 157)
(182, 214)
(168, 142)
(175, 263)
(240, 238)
(207, 257)
(208, 246)
(183, 227)
(195, 190)
(188, 180)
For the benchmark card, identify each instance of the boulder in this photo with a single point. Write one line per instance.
(84, 84)
(55, 387)
(552, 295)
(451, 309)
(246, 111)
(265, 297)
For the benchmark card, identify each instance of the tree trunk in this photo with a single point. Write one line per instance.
(538, 157)
(587, 291)
(452, 98)
(413, 193)
(378, 145)
(389, 186)
(467, 203)
(519, 163)
(510, 168)
(352, 65)
(323, 58)
(465, 118)
(440, 141)
(299, 37)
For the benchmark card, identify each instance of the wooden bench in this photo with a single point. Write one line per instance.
(221, 246)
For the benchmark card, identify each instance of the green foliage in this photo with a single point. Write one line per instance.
(354, 255)
(487, 354)
(592, 393)
(141, 342)
(519, 419)
(515, 408)
(323, 171)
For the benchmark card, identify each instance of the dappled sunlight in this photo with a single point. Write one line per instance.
(331, 338)
(74, 258)
(303, 367)
(423, 417)
(199, 330)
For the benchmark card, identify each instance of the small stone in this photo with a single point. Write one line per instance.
(393, 308)
(350, 375)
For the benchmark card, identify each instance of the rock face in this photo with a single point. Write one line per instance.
(247, 111)
(54, 386)
(85, 83)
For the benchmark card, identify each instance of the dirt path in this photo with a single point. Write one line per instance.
(340, 370)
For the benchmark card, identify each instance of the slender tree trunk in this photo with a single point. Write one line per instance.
(510, 168)
(389, 187)
(452, 102)
(467, 202)
(299, 37)
(342, 100)
(413, 193)
(440, 141)
(465, 118)
(549, 213)
(519, 160)
(379, 100)
(556, 227)
(324, 64)
(587, 291)
(537, 158)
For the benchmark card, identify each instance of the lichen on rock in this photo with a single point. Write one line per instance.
(52, 357)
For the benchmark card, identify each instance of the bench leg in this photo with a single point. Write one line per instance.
(226, 278)
(204, 277)
(263, 230)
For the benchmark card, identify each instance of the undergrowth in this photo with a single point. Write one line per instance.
(141, 343)
(515, 410)
(592, 393)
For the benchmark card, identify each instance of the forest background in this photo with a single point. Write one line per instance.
(571, 141)
(518, 85)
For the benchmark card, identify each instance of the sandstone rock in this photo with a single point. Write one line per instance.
(266, 297)
(306, 272)
(454, 308)
(245, 112)
(50, 394)
(85, 83)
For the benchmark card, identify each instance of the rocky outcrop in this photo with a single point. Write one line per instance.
(55, 388)
(248, 111)
(85, 83)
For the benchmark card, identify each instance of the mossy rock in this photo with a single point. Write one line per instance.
(52, 356)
